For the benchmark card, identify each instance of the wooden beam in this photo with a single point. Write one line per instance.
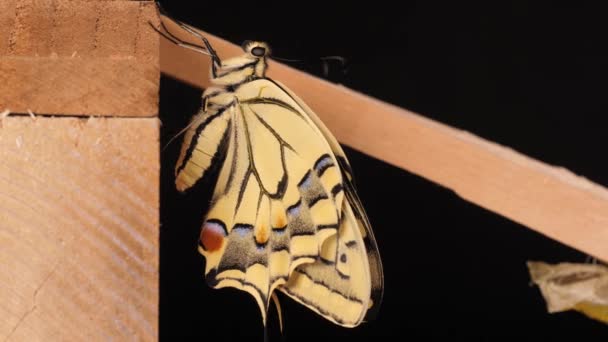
(548, 199)
(79, 196)
(87, 54)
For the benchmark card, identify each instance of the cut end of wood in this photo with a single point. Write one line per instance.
(79, 57)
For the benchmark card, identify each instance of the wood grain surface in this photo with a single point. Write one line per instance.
(79, 195)
(79, 229)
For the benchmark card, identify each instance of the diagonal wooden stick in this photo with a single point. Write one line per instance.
(548, 199)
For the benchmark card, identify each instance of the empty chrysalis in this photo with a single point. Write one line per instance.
(573, 286)
(285, 214)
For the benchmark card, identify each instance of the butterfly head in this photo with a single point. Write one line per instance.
(246, 67)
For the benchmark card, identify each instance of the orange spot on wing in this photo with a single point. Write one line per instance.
(280, 221)
(262, 235)
(212, 236)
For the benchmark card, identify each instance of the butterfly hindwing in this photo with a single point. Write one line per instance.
(356, 218)
(336, 286)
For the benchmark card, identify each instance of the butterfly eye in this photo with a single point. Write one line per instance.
(258, 51)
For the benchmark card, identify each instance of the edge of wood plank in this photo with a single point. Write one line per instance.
(548, 199)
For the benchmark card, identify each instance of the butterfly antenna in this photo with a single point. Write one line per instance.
(289, 60)
(325, 60)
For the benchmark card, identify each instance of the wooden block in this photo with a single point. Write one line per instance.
(94, 57)
(79, 197)
(548, 199)
(79, 229)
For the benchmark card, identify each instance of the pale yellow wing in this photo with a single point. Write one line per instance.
(337, 286)
(271, 210)
(204, 146)
(284, 189)
(355, 237)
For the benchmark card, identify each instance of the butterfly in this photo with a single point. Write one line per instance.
(285, 214)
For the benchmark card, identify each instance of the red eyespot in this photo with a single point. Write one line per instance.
(212, 235)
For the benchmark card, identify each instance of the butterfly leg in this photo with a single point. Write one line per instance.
(590, 260)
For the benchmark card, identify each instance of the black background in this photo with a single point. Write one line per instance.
(529, 76)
